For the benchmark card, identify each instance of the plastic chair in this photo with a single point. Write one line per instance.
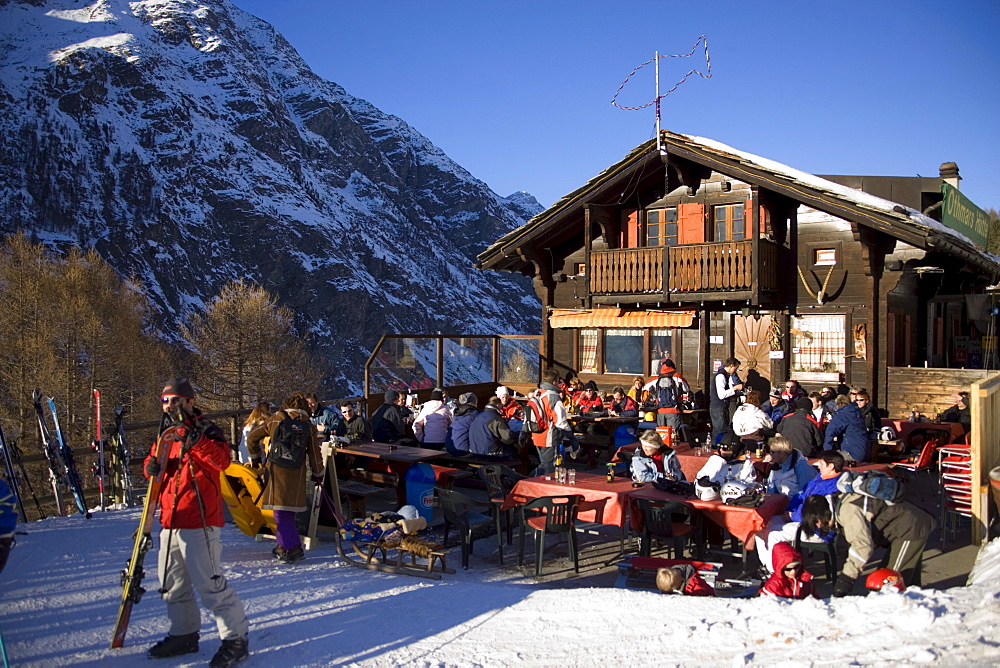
(923, 462)
(500, 480)
(828, 550)
(545, 515)
(658, 522)
(459, 511)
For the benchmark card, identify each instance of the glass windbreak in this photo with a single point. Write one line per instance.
(403, 364)
(623, 351)
(468, 361)
(519, 361)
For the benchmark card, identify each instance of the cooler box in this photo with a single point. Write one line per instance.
(420, 489)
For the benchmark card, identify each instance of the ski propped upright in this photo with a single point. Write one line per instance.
(66, 453)
(8, 463)
(121, 461)
(132, 576)
(57, 472)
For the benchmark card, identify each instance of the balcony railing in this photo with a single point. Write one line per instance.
(725, 266)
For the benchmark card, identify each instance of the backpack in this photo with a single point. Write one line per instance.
(535, 418)
(873, 484)
(289, 443)
(666, 392)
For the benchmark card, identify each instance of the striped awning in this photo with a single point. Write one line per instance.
(616, 317)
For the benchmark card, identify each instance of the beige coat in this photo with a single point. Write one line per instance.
(286, 488)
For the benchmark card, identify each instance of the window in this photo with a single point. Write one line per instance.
(728, 223)
(661, 227)
(661, 344)
(581, 269)
(818, 344)
(825, 256)
(623, 351)
(588, 350)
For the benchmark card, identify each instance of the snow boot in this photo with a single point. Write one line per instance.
(279, 553)
(174, 646)
(292, 555)
(232, 652)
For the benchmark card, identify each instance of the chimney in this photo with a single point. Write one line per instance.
(949, 174)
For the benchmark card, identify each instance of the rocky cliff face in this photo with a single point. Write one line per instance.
(189, 144)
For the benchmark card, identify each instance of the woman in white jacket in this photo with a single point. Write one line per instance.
(432, 422)
(749, 421)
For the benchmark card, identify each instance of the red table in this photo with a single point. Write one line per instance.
(741, 522)
(905, 427)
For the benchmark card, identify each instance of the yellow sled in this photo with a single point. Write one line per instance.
(241, 486)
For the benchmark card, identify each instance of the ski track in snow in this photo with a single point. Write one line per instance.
(60, 593)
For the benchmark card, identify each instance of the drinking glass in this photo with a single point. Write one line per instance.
(697, 452)
(571, 476)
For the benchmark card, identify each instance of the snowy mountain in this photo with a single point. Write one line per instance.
(189, 144)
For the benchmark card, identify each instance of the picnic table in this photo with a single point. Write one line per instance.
(399, 458)
(904, 428)
(611, 504)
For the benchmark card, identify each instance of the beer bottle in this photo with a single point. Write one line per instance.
(611, 472)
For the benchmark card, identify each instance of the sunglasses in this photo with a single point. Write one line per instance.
(171, 401)
(792, 569)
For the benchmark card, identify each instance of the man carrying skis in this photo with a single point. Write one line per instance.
(190, 557)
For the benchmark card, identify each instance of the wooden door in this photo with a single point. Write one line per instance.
(753, 350)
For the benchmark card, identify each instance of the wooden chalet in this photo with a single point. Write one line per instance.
(699, 251)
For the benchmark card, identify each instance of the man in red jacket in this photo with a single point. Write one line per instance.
(190, 557)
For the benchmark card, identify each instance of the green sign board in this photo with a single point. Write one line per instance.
(961, 215)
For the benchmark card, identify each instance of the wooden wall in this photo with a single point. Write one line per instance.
(927, 390)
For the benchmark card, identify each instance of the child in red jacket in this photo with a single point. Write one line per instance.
(789, 579)
(683, 579)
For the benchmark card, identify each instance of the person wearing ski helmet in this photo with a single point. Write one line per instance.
(190, 556)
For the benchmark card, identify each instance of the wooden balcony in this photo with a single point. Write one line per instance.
(693, 271)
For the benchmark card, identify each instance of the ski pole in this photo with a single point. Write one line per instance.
(100, 446)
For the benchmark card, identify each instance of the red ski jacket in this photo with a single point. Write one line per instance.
(178, 501)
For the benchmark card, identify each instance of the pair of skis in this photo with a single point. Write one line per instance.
(114, 477)
(62, 465)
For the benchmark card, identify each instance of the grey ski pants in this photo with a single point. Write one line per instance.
(189, 560)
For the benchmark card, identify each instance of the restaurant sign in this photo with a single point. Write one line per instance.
(961, 215)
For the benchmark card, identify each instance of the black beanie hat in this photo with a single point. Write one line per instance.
(179, 387)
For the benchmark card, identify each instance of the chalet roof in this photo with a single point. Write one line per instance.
(563, 218)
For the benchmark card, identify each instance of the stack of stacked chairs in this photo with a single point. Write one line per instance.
(955, 478)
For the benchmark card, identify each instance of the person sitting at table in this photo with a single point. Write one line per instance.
(820, 412)
(846, 432)
(729, 462)
(792, 391)
(391, 420)
(960, 412)
(682, 579)
(432, 422)
(622, 405)
(789, 578)
(790, 470)
(656, 460)
(572, 388)
(510, 409)
(751, 423)
(782, 528)
(457, 441)
(356, 428)
(490, 436)
(637, 391)
(327, 419)
(829, 397)
(801, 431)
(873, 421)
(775, 407)
(589, 400)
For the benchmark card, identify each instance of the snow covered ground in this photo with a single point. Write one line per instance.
(59, 596)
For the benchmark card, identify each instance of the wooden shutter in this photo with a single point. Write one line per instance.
(690, 223)
(630, 229)
(748, 219)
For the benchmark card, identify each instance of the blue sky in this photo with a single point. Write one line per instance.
(518, 92)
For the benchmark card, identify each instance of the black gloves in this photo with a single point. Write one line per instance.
(152, 468)
(843, 586)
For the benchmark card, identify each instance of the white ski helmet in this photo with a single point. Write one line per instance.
(408, 512)
(734, 489)
(706, 492)
(887, 434)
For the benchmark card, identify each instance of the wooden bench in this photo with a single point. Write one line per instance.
(356, 493)
(380, 478)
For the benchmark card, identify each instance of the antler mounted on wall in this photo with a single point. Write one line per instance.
(820, 297)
